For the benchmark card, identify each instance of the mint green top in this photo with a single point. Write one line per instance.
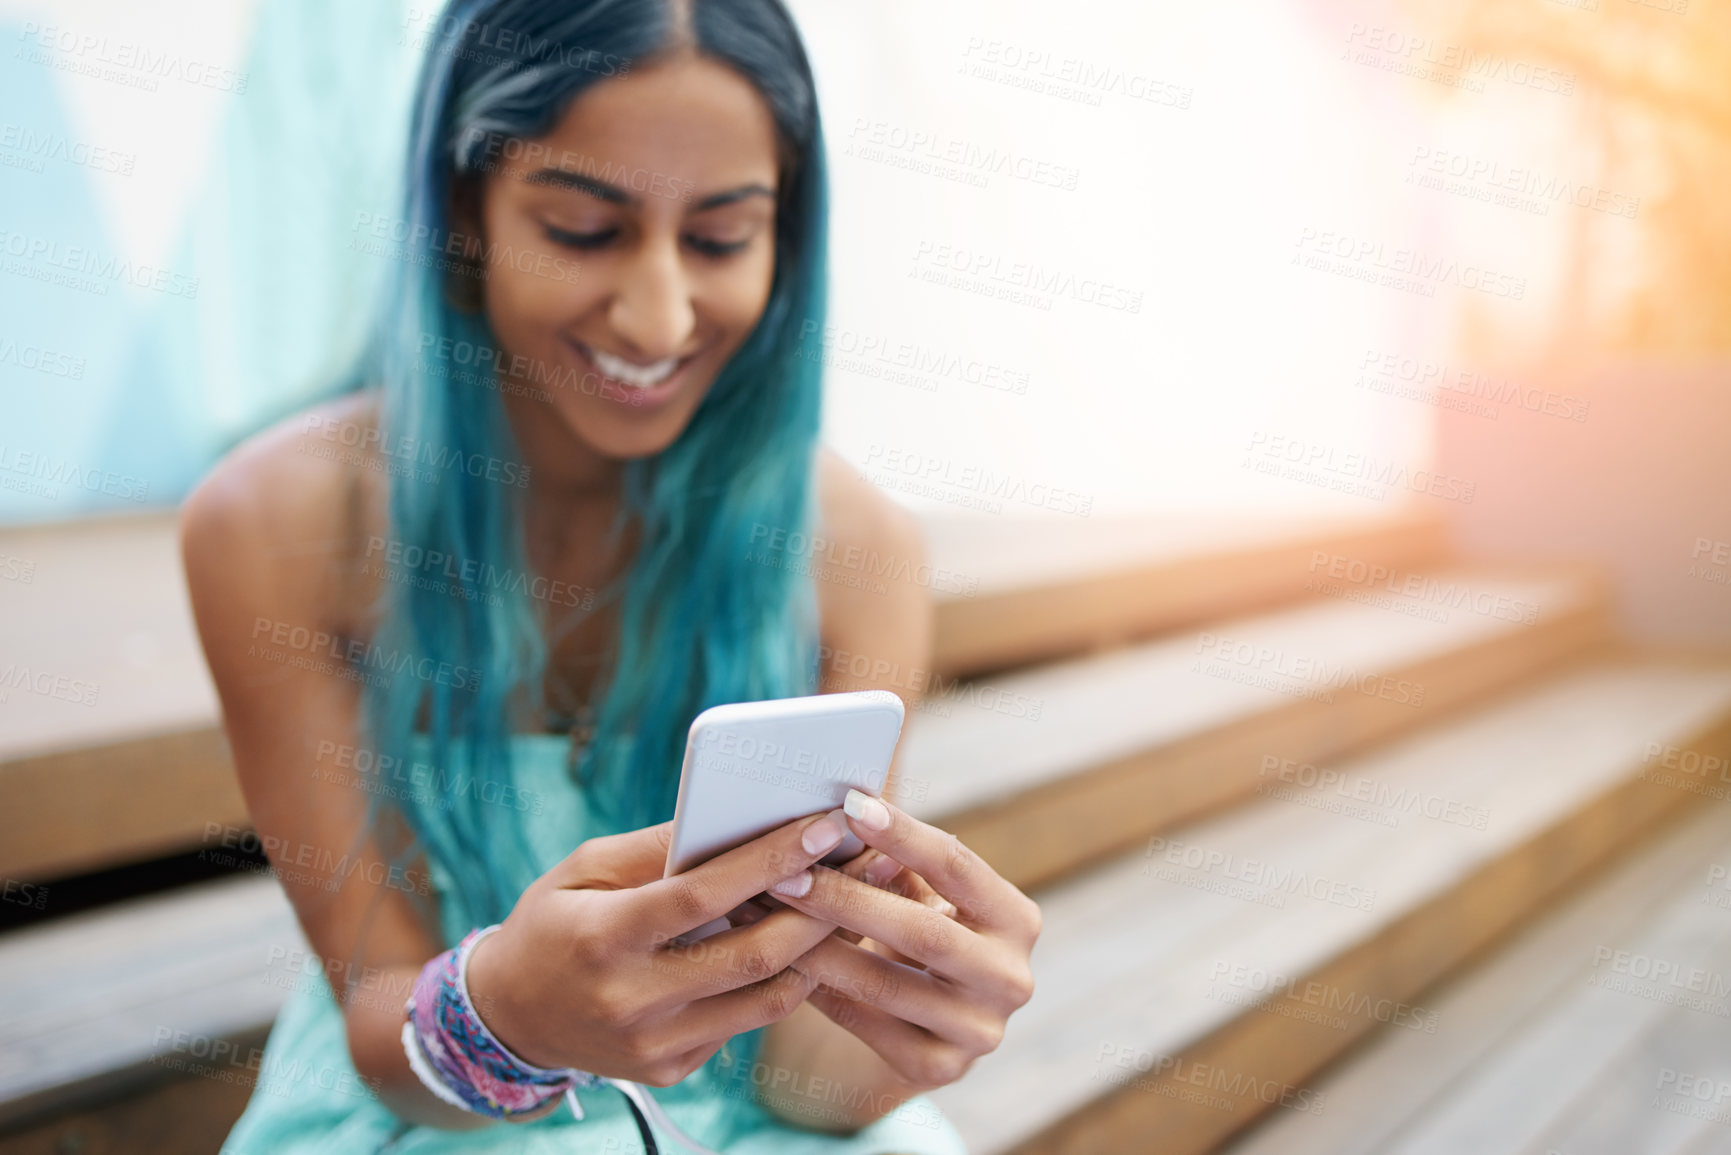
(310, 1101)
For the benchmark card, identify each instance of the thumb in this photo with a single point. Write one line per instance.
(616, 861)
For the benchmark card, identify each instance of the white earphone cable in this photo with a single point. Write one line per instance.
(650, 1109)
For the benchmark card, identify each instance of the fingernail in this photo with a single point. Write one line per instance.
(823, 835)
(797, 885)
(868, 811)
(881, 870)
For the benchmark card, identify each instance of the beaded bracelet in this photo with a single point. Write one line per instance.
(458, 1059)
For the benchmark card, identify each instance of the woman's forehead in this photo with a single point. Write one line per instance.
(684, 128)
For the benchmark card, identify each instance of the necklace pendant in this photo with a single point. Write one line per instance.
(582, 733)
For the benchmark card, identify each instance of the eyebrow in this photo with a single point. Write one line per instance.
(613, 194)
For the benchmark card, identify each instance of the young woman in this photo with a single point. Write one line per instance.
(461, 617)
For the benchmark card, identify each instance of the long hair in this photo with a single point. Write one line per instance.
(701, 622)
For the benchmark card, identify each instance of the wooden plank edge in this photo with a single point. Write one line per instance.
(1043, 834)
(1023, 626)
(49, 1107)
(102, 816)
(1408, 957)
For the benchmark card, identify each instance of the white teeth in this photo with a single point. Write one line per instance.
(627, 373)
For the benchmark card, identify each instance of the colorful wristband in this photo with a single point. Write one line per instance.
(458, 1059)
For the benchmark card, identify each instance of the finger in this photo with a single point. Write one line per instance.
(923, 934)
(883, 871)
(750, 911)
(667, 907)
(870, 866)
(913, 1052)
(695, 1058)
(906, 992)
(984, 898)
(681, 973)
(892, 876)
(734, 1012)
(898, 879)
(702, 1053)
(880, 870)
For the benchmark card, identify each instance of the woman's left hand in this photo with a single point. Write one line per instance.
(927, 989)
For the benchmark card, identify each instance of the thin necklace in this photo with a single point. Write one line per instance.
(580, 724)
(579, 727)
(582, 733)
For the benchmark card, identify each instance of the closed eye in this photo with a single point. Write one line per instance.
(711, 248)
(588, 241)
(579, 240)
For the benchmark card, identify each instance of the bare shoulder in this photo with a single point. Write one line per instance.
(855, 509)
(285, 510)
(870, 569)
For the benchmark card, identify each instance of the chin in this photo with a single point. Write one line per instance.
(627, 436)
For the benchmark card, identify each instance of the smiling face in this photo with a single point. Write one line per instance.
(632, 252)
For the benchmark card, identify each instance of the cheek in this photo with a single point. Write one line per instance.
(527, 289)
(515, 303)
(744, 292)
(527, 311)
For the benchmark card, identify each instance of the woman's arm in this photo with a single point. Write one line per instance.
(264, 540)
(877, 616)
(580, 974)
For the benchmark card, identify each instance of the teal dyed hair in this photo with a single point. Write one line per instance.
(700, 623)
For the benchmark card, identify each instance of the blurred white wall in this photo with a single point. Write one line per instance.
(1192, 197)
(1154, 180)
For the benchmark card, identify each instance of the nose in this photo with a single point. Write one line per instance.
(651, 310)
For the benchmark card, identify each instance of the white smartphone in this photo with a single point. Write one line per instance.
(753, 766)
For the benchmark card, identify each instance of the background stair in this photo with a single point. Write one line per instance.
(1140, 968)
(1108, 694)
(1049, 769)
(1537, 1048)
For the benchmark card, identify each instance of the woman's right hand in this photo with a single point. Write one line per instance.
(584, 974)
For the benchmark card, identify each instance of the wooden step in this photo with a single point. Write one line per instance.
(103, 1002)
(124, 758)
(191, 1114)
(1535, 1052)
(1155, 1024)
(1015, 592)
(1136, 741)
(1047, 770)
(83, 1001)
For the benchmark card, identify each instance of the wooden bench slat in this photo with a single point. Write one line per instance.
(1036, 591)
(141, 772)
(1490, 1017)
(85, 1001)
(1130, 742)
(1128, 961)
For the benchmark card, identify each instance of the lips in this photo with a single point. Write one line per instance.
(629, 374)
(632, 385)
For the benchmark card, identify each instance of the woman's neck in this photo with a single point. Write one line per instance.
(563, 469)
